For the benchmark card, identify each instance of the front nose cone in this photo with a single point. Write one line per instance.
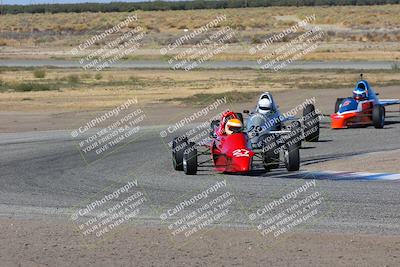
(241, 164)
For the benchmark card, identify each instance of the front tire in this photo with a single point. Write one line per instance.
(292, 158)
(179, 145)
(190, 160)
(296, 134)
(378, 116)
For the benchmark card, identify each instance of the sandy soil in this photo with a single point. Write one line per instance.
(49, 243)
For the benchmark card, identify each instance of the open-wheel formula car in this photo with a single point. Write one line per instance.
(364, 108)
(228, 149)
(268, 129)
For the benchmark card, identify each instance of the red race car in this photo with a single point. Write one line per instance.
(363, 109)
(228, 148)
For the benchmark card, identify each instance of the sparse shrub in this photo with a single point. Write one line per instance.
(98, 76)
(256, 40)
(86, 75)
(3, 86)
(134, 79)
(26, 87)
(39, 73)
(73, 78)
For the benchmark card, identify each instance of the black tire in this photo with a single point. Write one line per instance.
(311, 124)
(214, 124)
(190, 160)
(240, 117)
(295, 136)
(378, 116)
(179, 145)
(292, 158)
(337, 104)
(270, 153)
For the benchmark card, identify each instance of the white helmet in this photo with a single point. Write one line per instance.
(264, 105)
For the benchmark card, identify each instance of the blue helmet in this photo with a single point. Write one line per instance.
(360, 92)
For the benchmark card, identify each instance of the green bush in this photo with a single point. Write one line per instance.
(39, 73)
(98, 76)
(3, 86)
(27, 87)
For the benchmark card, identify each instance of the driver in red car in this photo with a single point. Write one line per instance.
(230, 124)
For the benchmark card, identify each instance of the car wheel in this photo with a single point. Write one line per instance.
(292, 158)
(378, 116)
(311, 124)
(295, 135)
(337, 104)
(270, 153)
(190, 160)
(179, 145)
(240, 117)
(213, 125)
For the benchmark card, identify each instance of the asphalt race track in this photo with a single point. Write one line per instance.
(43, 174)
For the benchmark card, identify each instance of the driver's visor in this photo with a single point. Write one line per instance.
(235, 129)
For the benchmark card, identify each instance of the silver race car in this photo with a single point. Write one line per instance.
(275, 133)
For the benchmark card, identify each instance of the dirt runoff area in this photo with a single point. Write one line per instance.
(50, 243)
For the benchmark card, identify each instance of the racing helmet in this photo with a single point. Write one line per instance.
(233, 126)
(360, 94)
(264, 105)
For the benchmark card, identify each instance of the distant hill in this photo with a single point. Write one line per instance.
(178, 5)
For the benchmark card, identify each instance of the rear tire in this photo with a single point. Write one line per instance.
(213, 125)
(179, 145)
(292, 158)
(378, 116)
(190, 160)
(240, 117)
(311, 124)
